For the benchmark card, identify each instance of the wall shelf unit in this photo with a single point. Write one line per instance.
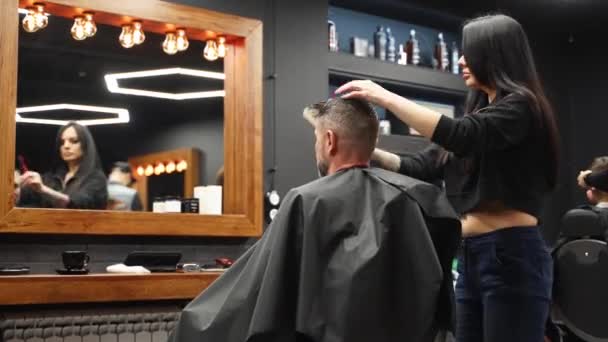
(346, 66)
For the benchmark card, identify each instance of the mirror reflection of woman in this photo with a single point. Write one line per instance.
(76, 181)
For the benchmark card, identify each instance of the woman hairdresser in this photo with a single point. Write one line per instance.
(498, 162)
(77, 180)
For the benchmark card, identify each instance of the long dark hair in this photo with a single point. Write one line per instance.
(498, 54)
(89, 163)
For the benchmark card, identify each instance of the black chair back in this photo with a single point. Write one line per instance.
(580, 293)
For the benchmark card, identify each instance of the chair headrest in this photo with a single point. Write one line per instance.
(582, 222)
(581, 279)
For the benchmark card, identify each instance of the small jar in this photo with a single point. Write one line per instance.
(158, 205)
(190, 205)
(173, 204)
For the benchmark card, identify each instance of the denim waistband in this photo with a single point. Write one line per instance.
(511, 234)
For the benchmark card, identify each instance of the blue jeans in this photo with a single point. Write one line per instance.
(504, 288)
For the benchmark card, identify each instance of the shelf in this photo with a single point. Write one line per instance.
(412, 77)
(95, 288)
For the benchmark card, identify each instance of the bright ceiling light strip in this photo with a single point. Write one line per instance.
(113, 87)
(122, 115)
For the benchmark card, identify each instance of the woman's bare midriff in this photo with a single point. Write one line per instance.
(491, 217)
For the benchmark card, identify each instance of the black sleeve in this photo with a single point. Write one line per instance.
(495, 128)
(598, 180)
(92, 194)
(425, 165)
(136, 203)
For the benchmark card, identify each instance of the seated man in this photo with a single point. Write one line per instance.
(595, 181)
(361, 254)
(120, 195)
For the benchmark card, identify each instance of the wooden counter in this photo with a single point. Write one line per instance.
(102, 287)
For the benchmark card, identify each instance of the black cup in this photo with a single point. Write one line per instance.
(75, 260)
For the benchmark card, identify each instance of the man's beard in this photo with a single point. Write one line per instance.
(322, 168)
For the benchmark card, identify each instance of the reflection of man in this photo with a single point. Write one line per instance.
(120, 195)
(361, 254)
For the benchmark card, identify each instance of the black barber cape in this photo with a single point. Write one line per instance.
(361, 255)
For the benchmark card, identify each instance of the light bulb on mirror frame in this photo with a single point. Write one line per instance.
(170, 167)
(210, 51)
(90, 28)
(77, 31)
(138, 32)
(182, 40)
(29, 21)
(40, 17)
(181, 166)
(126, 36)
(159, 169)
(221, 47)
(140, 171)
(149, 170)
(170, 43)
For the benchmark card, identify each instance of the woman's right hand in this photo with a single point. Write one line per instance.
(32, 180)
(365, 90)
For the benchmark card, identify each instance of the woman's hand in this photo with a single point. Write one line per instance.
(32, 180)
(365, 90)
(581, 179)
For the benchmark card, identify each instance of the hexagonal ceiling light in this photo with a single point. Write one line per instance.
(122, 115)
(113, 87)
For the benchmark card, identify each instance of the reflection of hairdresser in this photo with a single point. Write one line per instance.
(76, 180)
(121, 196)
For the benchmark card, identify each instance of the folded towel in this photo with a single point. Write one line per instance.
(122, 268)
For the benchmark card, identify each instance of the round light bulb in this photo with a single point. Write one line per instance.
(140, 171)
(170, 43)
(149, 170)
(89, 25)
(138, 32)
(221, 47)
(40, 17)
(182, 166)
(210, 51)
(29, 21)
(170, 167)
(182, 40)
(126, 36)
(78, 31)
(159, 169)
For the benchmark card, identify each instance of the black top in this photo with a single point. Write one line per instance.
(598, 180)
(88, 193)
(496, 155)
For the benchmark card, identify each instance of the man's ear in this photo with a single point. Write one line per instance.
(331, 141)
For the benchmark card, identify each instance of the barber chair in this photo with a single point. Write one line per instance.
(580, 291)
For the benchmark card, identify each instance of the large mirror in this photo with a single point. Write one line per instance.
(128, 115)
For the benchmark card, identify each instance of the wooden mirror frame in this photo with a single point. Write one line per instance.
(243, 193)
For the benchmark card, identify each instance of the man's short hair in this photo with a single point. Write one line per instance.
(122, 166)
(351, 119)
(599, 164)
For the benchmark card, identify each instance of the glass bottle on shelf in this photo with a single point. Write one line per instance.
(333, 36)
(380, 43)
(402, 55)
(412, 49)
(391, 50)
(440, 60)
(455, 58)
